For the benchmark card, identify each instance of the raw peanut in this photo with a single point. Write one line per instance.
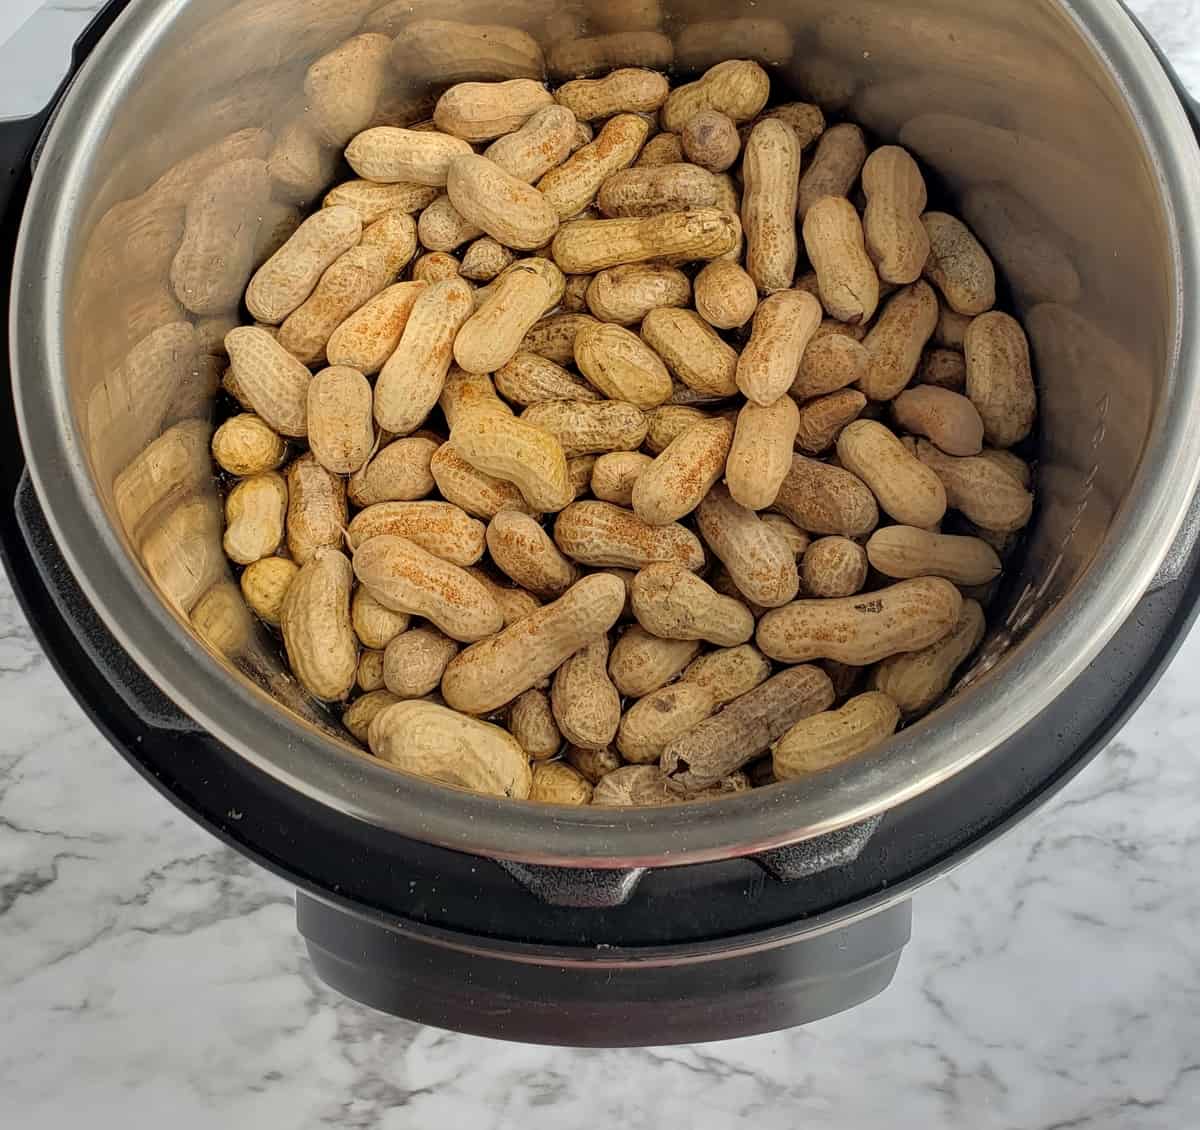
(415, 661)
(254, 516)
(554, 337)
(575, 295)
(439, 528)
(640, 192)
(466, 394)
(216, 253)
(726, 296)
(834, 567)
(375, 625)
(668, 422)
(265, 585)
(862, 629)
(522, 550)
(629, 90)
(301, 164)
(557, 783)
(411, 381)
(370, 671)
(496, 671)
(896, 341)
(728, 673)
(540, 145)
(517, 452)
(673, 603)
(492, 335)
(692, 350)
(729, 200)
(805, 118)
(833, 237)
(600, 534)
(722, 744)
(449, 51)
(951, 329)
(509, 210)
(907, 490)
(369, 336)
(585, 427)
(340, 432)
(398, 473)
(573, 185)
(737, 88)
(1013, 464)
(166, 471)
(896, 239)
(915, 681)
(373, 201)
(593, 765)
(475, 492)
(245, 445)
(906, 552)
(822, 499)
(661, 149)
(678, 479)
(443, 228)
(823, 418)
(759, 561)
(835, 166)
(579, 468)
(621, 366)
(182, 551)
(531, 722)
(810, 284)
(322, 649)
(485, 259)
(483, 111)
(710, 140)
(614, 476)
(948, 419)
(430, 741)
(637, 786)
(982, 490)
(958, 265)
(271, 381)
(316, 512)
(835, 736)
(434, 267)
(625, 295)
(586, 705)
(943, 368)
(706, 42)
(655, 720)
(530, 379)
(285, 280)
(390, 155)
(343, 87)
(783, 326)
(585, 246)
(771, 172)
(642, 663)
(515, 604)
(362, 711)
(797, 540)
(405, 578)
(999, 380)
(596, 54)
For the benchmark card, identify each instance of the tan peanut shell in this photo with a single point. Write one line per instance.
(442, 227)
(640, 192)
(729, 672)
(589, 427)
(491, 673)
(574, 299)
(673, 603)
(368, 337)
(782, 328)
(661, 149)
(622, 366)
(679, 478)
(667, 422)
(362, 711)
(834, 567)
(737, 88)
(431, 741)
(301, 164)
(822, 499)
(555, 782)
(322, 649)
(943, 368)
(999, 380)
(906, 552)
(603, 535)
(517, 452)
(390, 154)
(951, 329)
(650, 723)
(594, 54)
(916, 680)
(449, 51)
(255, 511)
(741, 732)
(372, 201)
(182, 551)
(415, 661)
(758, 559)
(340, 429)
(625, 295)
(479, 494)
(530, 379)
(637, 786)
(593, 765)
(440, 528)
(628, 90)
(642, 663)
(375, 625)
(983, 491)
(823, 418)
(483, 111)
(515, 604)
(541, 144)
(434, 267)
(484, 259)
(833, 238)
(573, 185)
(830, 363)
(761, 454)
(586, 705)
(834, 168)
(521, 549)
(906, 490)
(265, 585)
(862, 629)
(692, 350)
(554, 337)
(531, 722)
(316, 514)
(1013, 464)
(343, 87)
(370, 671)
(400, 472)
(726, 296)
(896, 239)
(465, 395)
(958, 265)
(271, 381)
(946, 418)
(729, 201)
(585, 246)
(710, 140)
(614, 475)
(512, 212)
(770, 172)
(835, 736)
(896, 341)
(245, 445)
(492, 335)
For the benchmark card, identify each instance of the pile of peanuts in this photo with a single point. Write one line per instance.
(639, 499)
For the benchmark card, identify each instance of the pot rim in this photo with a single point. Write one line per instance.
(353, 784)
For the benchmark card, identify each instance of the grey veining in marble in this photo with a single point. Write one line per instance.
(149, 977)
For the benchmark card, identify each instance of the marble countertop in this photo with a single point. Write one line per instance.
(150, 976)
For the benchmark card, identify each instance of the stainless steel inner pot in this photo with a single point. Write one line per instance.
(1054, 128)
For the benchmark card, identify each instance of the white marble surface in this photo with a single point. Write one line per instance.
(148, 976)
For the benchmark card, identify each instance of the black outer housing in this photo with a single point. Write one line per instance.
(699, 952)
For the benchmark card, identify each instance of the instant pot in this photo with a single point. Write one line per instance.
(1062, 137)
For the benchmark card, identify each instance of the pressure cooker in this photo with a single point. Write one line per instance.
(760, 911)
